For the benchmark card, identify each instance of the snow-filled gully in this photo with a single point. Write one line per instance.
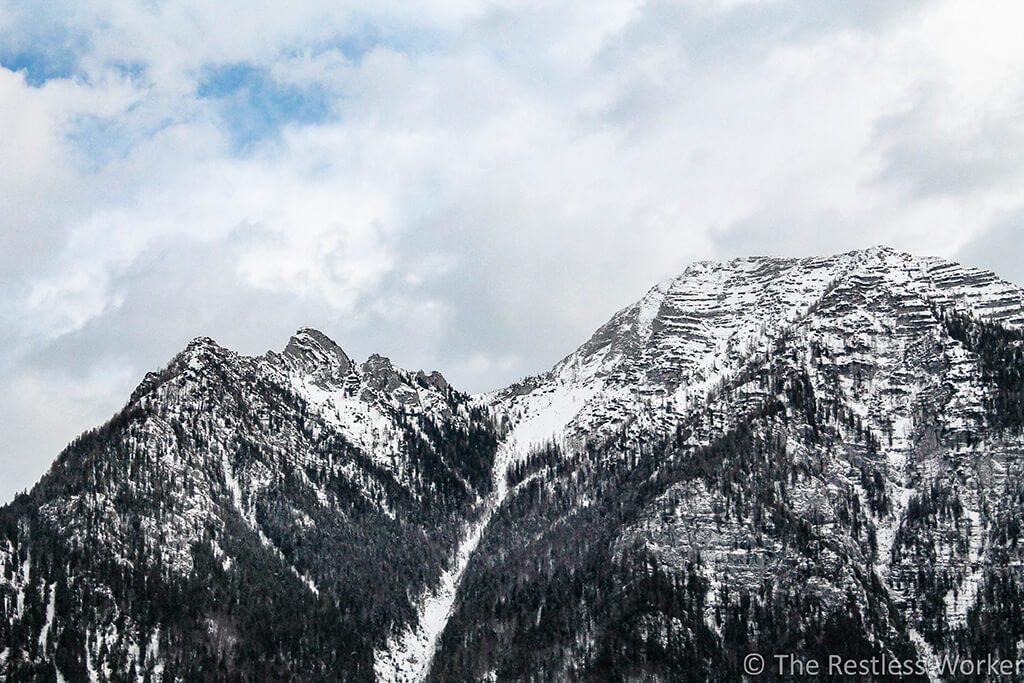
(407, 658)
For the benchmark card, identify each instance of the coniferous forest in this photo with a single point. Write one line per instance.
(833, 474)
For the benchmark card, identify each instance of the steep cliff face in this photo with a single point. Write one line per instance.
(785, 456)
(691, 331)
(815, 456)
(243, 517)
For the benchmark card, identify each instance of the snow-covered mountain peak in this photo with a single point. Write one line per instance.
(296, 476)
(692, 330)
(846, 430)
(200, 343)
(202, 349)
(314, 352)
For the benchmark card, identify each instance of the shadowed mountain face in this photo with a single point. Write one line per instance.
(270, 517)
(812, 457)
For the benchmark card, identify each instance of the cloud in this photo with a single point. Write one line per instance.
(928, 151)
(465, 186)
(998, 247)
(253, 105)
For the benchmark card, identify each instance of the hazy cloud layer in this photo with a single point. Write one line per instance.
(466, 186)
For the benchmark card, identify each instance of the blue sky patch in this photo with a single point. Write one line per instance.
(133, 71)
(40, 66)
(357, 44)
(100, 139)
(254, 107)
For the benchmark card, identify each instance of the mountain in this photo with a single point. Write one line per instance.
(811, 457)
(243, 518)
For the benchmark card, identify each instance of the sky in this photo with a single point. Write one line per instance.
(467, 186)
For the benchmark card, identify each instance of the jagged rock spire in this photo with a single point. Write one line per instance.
(318, 354)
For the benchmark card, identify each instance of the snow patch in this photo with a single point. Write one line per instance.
(927, 655)
(26, 570)
(44, 635)
(250, 518)
(959, 600)
(153, 654)
(407, 658)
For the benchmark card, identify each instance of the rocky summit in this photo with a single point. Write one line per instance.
(806, 457)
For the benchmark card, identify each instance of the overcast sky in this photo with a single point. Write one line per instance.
(467, 186)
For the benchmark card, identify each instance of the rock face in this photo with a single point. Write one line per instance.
(312, 353)
(242, 518)
(810, 457)
(785, 456)
(701, 327)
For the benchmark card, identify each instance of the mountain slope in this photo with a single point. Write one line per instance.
(784, 456)
(243, 517)
(814, 456)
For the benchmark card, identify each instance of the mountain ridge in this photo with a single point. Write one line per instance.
(738, 431)
(848, 374)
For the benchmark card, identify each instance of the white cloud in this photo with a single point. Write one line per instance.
(34, 410)
(479, 185)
